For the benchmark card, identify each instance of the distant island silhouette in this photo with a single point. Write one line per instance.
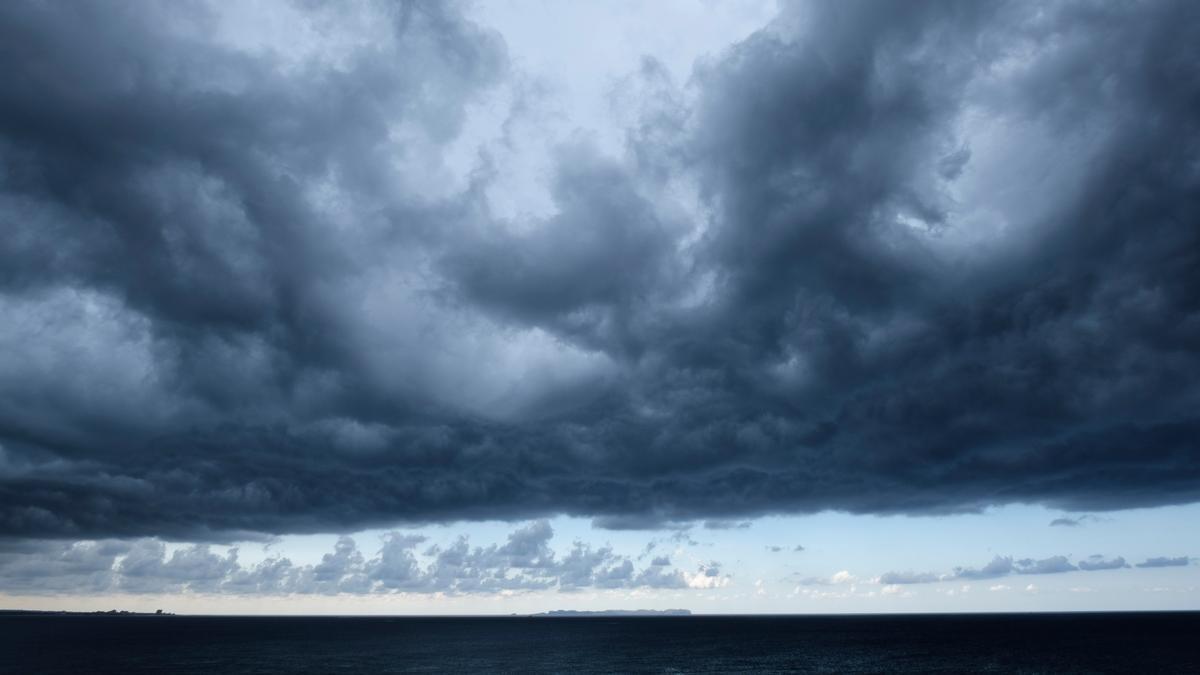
(110, 612)
(616, 612)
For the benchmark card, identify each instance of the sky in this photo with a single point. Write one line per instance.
(512, 306)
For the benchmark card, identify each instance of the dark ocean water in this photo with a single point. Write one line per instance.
(1029, 643)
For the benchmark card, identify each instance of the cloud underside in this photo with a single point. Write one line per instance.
(882, 258)
(405, 563)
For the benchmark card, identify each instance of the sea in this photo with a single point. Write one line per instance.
(1151, 642)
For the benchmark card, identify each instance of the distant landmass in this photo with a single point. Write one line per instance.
(618, 612)
(121, 612)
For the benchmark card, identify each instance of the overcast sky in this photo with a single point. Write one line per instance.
(516, 305)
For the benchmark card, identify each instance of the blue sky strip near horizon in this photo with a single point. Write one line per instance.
(825, 563)
(502, 244)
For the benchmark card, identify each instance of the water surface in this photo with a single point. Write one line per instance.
(1167, 642)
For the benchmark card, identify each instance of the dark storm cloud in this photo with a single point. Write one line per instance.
(942, 255)
(1067, 521)
(525, 562)
(727, 524)
(639, 522)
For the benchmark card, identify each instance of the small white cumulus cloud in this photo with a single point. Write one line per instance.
(898, 591)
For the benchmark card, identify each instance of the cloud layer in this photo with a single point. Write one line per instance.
(403, 564)
(878, 257)
(1003, 566)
